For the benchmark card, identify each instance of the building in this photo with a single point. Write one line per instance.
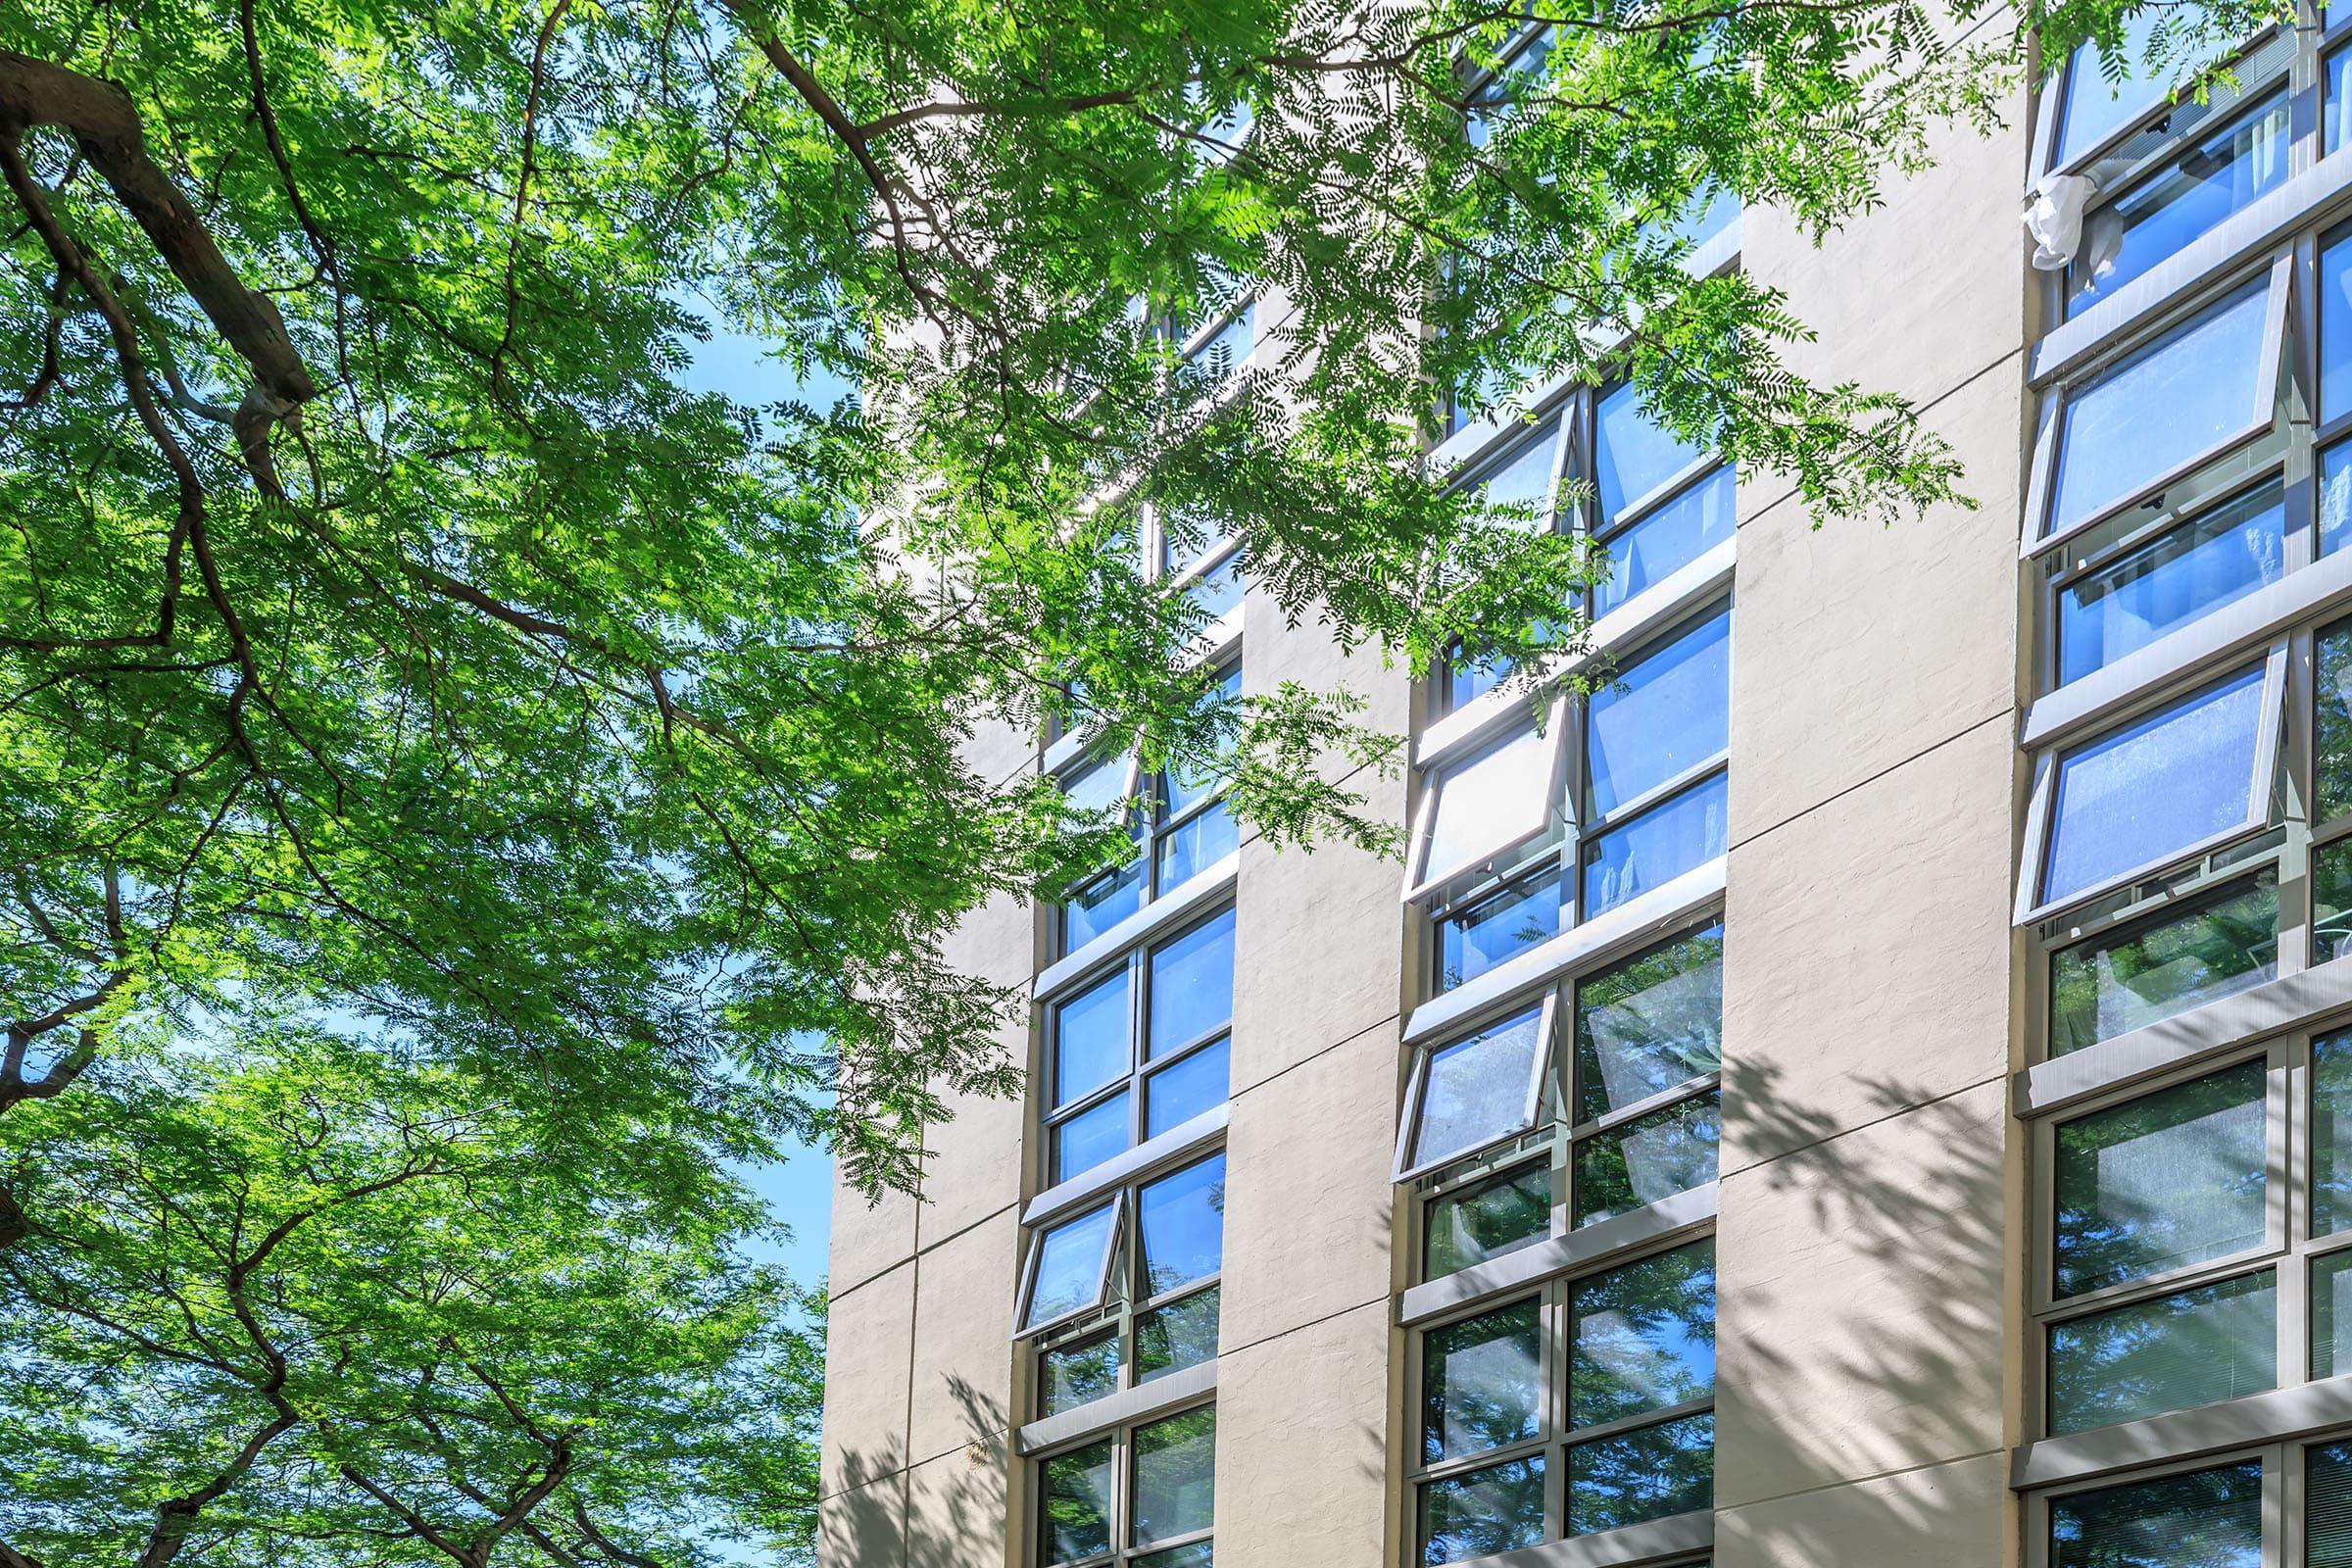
(1869, 1087)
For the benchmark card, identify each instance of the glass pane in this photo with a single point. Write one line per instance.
(1653, 1473)
(2167, 1180)
(1077, 1489)
(2331, 901)
(1668, 539)
(2327, 1505)
(1476, 1515)
(2182, 958)
(1069, 1267)
(2098, 103)
(1090, 1137)
(2194, 569)
(1178, 1335)
(2330, 1134)
(2168, 402)
(1476, 1090)
(1192, 1554)
(1198, 843)
(1643, 1337)
(2204, 1519)
(2217, 1342)
(1186, 1087)
(1643, 1162)
(2332, 1316)
(1524, 478)
(1175, 1476)
(1498, 1215)
(1659, 719)
(2179, 777)
(1191, 986)
(1090, 1040)
(1482, 1383)
(1500, 926)
(1076, 1375)
(2336, 493)
(1679, 835)
(1649, 1024)
(1490, 802)
(2204, 183)
(1183, 1221)
(1181, 785)
(1229, 349)
(1465, 683)
(1098, 905)
(2331, 691)
(1633, 455)
(1215, 594)
(2336, 331)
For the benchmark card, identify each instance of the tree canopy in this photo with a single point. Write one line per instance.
(435, 730)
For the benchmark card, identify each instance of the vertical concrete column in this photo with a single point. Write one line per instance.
(1865, 1257)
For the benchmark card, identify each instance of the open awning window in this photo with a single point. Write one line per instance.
(1474, 1093)
(2173, 783)
(1069, 1268)
(1487, 806)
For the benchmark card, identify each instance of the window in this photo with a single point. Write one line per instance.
(1179, 826)
(1526, 481)
(2124, 599)
(1507, 858)
(1511, 1141)
(1145, 1494)
(1139, 1051)
(1605, 1381)
(2197, 1519)
(2183, 957)
(2099, 95)
(1127, 1292)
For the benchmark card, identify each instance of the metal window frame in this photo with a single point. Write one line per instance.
(1118, 1207)
(1420, 879)
(1547, 1012)
(1120, 1437)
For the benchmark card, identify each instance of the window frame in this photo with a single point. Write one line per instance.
(1033, 1259)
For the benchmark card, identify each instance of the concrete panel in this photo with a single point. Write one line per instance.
(996, 942)
(1274, 652)
(863, 1527)
(867, 1335)
(1315, 950)
(1302, 1426)
(1307, 1195)
(974, 1164)
(867, 1236)
(1952, 1515)
(955, 1515)
(964, 1355)
(1866, 960)
(1860, 1290)
(1855, 646)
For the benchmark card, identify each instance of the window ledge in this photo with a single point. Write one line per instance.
(1558, 1254)
(1623, 1547)
(1628, 927)
(1703, 580)
(1210, 886)
(2287, 1003)
(1160, 1397)
(1173, 1145)
(2279, 1415)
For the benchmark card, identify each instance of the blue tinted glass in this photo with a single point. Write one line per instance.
(1186, 1087)
(1465, 685)
(2194, 569)
(1090, 1137)
(1214, 594)
(1188, 850)
(1524, 478)
(1184, 782)
(1708, 214)
(2177, 397)
(1632, 453)
(2095, 108)
(1069, 1267)
(1667, 540)
(2335, 497)
(1662, 717)
(1191, 986)
(1090, 1040)
(1643, 1338)
(2208, 181)
(1656, 847)
(1477, 1090)
(1183, 1220)
(2337, 119)
(1101, 904)
(1225, 352)
(2151, 790)
(2335, 329)
(1499, 926)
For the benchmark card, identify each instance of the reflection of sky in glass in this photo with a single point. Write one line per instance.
(1089, 1039)
(1069, 1266)
(1661, 717)
(1182, 1219)
(1476, 1088)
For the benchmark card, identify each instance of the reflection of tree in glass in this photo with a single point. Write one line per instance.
(1175, 1476)
(1193, 1554)
(1077, 1374)
(2328, 1505)
(2170, 1179)
(2330, 1134)
(1643, 1337)
(2205, 1519)
(1653, 1473)
(1078, 1504)
(1649, 1024)
(1496, 1216)
(1668, 1151)
(2121, 981)
(2331, 693)
(1491, 1510)
(1481, 1382)
(2217, 1342)
(1179, 1335)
